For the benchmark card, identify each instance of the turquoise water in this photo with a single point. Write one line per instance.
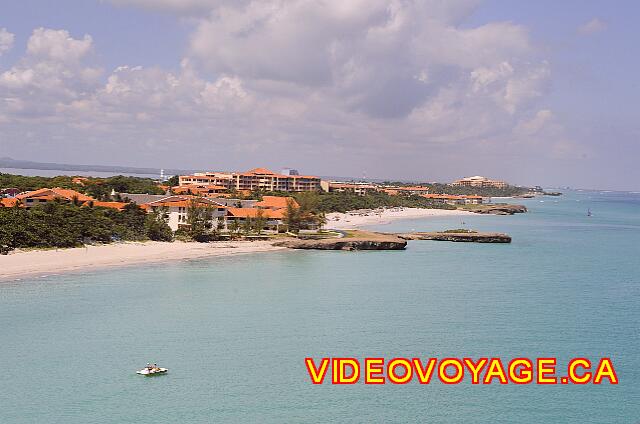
(234, 331)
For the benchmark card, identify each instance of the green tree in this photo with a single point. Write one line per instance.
(173, 181)
(292, 218)
(156, 227)
(200, 221)
(260, 221)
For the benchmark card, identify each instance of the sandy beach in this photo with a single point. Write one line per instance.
(38, 263)
(356, 220)
(24, 264)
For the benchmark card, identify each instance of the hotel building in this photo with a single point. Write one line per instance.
(479, 181)
(255, 179)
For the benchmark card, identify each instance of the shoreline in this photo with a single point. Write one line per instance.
(42, 263)
(31, 264)
(341, 221)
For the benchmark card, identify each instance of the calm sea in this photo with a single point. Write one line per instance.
(234, 331)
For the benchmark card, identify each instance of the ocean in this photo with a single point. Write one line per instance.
(234, 331)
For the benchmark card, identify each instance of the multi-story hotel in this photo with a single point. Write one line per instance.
(479, 181)
(255, 179)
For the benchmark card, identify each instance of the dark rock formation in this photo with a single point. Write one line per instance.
(463, 237)
(360, 241)
(499, 209)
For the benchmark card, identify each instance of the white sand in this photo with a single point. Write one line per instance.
(21, 264)
(349, 220)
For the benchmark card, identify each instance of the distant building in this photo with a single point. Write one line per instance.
(452, 199)
(361, 189)
(478, 181)
(199, 189)
(289, 171)
(411, 190)
(255, 179)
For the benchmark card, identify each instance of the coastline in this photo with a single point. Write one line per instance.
(38, 263)
(341, 221)
(18, 265)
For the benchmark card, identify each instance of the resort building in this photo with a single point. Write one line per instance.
(199, 190)
(111, 205)
(412, 190)
(361, 189)
(451, 199)
(273, 218)
(479, 181)
(255, 179)
(44, 195)
(174, 209)
(275, 202)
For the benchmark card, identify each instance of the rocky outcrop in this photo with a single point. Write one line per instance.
(498, 209)
(472, 237)
(359, 240)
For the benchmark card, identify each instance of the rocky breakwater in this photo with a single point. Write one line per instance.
(473, 237)
(498, 209)
(353, 240)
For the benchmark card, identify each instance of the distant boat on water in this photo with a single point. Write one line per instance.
(589, 212)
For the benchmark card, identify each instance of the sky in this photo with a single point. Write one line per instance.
(536, 93)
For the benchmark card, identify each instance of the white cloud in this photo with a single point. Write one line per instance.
(6, 41)
(593, 26)
(57, 45)
(371, 56)
(298, 76)
(49, 73)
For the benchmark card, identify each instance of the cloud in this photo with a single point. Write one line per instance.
(50, 72)
(593, 26)
(365, 78)
(57, 45)
(371, 56)
(6, 41)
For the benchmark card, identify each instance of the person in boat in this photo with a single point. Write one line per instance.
(149, 366)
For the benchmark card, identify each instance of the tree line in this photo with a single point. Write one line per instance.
(60, 224)
(98, 188)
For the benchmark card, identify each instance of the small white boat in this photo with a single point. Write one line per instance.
(149, 371)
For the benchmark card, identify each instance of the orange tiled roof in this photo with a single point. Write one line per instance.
(252, 213)
(263, 171)
(413, 188)
(113, 205)
(57, 192)
(183, 201)
(196, 188)
(274, 202)
(8, 202)
(450, 196)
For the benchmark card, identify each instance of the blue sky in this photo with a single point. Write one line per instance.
(534, 92)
